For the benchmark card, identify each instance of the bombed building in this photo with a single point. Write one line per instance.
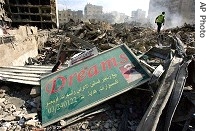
(66, 16)
(3, 14)
(93, 11)
(40, 13)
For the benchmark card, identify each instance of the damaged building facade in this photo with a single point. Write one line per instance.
(66, 15)
(93, 11)
(3, 15)
(42, 14)
(138, 15)
(20, 21)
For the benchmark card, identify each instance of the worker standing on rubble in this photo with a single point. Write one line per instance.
(160, 20)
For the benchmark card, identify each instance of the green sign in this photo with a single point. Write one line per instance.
(77, 88)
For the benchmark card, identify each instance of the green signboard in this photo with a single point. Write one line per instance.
(77, 88)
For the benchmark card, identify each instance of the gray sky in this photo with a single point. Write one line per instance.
(122, 6)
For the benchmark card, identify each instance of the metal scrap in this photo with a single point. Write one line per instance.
(161, 104)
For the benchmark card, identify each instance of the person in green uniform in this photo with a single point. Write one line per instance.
(160, 20)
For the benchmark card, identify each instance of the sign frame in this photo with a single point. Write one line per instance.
(138, 81)
(83, 56)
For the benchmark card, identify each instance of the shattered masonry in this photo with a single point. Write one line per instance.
(173, 50)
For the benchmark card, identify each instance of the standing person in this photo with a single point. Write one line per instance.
(160, 19)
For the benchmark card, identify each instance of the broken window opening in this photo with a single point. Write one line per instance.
(24, 9)
(43, 2)
(46, 10)
(14, 24)
(6, 7)
(13, 1)
(15, 17)
(35, 18)
(25, 17)
(23, 2)
(14, 9)
(46, 18)
(33, 2)
(47, 25)
(34, 10)
(36, 24)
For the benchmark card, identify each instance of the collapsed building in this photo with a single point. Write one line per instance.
(42, 14)
(3, 14)
(20, 23)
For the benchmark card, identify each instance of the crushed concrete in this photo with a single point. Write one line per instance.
(20, 104)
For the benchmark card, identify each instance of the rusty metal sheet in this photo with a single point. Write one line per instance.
(28, 74)
(158, 52)
(176, 93)
(151, 117)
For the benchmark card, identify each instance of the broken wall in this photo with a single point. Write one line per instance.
(16, 53)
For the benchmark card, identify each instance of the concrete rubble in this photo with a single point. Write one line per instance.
(173, 49)
(105, 36)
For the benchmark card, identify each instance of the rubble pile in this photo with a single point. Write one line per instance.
(186, 33)
(105, 36)
(18, 109)
(20, 106)
(122, 113)
(21, 111)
